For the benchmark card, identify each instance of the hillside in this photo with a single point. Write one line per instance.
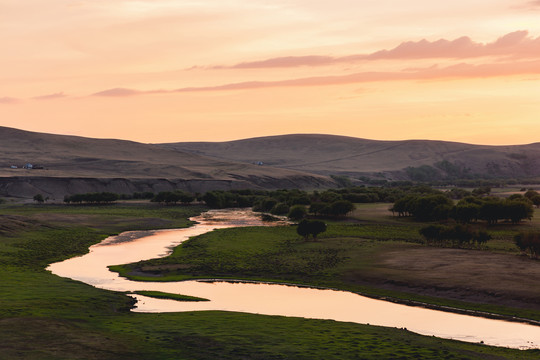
(340, 155)
(74, 164)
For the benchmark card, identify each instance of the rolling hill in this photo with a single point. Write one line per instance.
(340, 155)
(70, 164)
(66, 165)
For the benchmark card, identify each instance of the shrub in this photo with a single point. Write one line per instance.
(297, 212)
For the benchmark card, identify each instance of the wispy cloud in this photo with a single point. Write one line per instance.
(8, 100)
(57, 95)
(461, 70)
(124, 92)
(514, 44)
(533, 4)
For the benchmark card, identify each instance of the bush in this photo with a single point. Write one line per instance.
(280, 209)
(528, 242)
(297, 212)
(310, 227)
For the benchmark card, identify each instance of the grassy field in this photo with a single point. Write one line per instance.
(373, 253)
(43, 316)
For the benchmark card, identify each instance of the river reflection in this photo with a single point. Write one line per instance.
(271, 299)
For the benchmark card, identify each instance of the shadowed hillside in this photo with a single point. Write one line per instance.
(70, 164)
(327, 154)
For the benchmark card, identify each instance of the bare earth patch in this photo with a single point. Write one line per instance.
(477, 276)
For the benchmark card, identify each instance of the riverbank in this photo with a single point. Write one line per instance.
(43, 316)
(364, 258)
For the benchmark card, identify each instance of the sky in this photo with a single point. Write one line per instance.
(159, 71)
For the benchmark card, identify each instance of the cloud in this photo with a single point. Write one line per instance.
(118, 92)
(124, 92)
(533, 4)
(514, 44)
(8, 100)
(57, 95)
(287, 61)
(458, 71)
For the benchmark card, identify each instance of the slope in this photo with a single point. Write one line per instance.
(329, 154)
(70, 158)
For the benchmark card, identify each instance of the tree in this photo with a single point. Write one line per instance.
(303, 229)
(432, 207)
(297, 212)
(536, 200)
(280, 209)
(317, 227)
(342, 207)
(528, 241)
(310, 227)
(465, 212)
(39, 198)
(530, 194)
(516, 210)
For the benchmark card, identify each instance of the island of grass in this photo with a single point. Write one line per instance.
(43, 316)
(169, 296)
(371, 253)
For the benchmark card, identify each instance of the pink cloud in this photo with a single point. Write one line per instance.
(120, 92)
(461, 70)
(124, 92)
(287, 61)
(534, 4)
(515, 44)
(58, 95)
(8, 100)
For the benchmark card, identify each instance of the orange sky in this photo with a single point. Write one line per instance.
(209, 70)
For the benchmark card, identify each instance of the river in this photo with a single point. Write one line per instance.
(273, 299)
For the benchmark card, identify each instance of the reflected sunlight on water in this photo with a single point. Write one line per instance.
(273, 299)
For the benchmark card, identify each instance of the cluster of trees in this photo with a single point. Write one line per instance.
(220, 199)
(92, 198)
(37, 198)
(146, 195)
(469, 209)
(310, 227)
(99, 198)
(336, 208)
(528, 243)
(454, 236)
(467, 182)
(168, 197)
(279, 202)
(493, 209)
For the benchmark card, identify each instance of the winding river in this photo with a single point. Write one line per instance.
(272, 299)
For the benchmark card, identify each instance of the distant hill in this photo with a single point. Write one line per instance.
(71, 164)
(340, 155)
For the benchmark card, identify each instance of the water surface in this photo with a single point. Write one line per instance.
(272, 299)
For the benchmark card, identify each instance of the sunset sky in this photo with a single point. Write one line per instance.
(214, 70)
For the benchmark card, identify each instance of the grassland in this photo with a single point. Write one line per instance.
(43, 316)
(374, 254)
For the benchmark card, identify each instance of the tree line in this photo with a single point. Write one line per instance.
(459, 236)
(439, 206)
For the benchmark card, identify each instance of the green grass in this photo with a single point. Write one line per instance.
(346, 257)
(163, 295)
(43, 316)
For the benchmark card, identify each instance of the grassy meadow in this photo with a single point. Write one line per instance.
(43, 316)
